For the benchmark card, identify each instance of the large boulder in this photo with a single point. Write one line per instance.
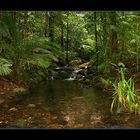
(84, 65)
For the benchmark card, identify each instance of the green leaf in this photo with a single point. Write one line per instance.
(5, 66)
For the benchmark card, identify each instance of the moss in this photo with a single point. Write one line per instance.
(19, 90)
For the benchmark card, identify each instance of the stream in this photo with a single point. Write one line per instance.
(66, 104)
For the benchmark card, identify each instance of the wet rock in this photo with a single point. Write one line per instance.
(64, 74)
(31, 105)
(55, 75)
(2, 101)
(13, 109)
(87, 81)
(82, 72)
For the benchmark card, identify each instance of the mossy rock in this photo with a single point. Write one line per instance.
(19, 123)
(75, 63)
(19, 90)
(84, 65)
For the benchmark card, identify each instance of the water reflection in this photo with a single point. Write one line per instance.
(73, 103)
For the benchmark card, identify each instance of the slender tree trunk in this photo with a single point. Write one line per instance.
(96, 41)
(24, 33)
(114, 41)
(137, 49)
(51, 27)
(123, 43)
(62, 36)
(15, 57)
(104, 22)
(14, 15)
(47, 24)
(67, 45)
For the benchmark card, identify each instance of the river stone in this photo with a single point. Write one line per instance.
(82, 72)
(31, 105)
(79, 77)
(13, 109)
(87, 81)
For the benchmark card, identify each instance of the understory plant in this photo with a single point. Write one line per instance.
(5, 66)
(124, 98)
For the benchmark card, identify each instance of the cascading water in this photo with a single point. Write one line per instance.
(73, 74)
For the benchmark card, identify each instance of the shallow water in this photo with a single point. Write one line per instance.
(75, 106)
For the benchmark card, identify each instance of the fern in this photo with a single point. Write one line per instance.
(40, 61)
(5, 66)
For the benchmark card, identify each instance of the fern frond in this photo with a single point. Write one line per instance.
(5, 66)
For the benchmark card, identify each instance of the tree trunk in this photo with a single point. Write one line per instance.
(114, 41)
(51, 27)
(46, 32)
(62, 36)
(67, 45)
(24, 33)
(96, 41)
(104, 22)
(123, 43)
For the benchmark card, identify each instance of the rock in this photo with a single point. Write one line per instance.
(84, 65)
(31, 105)
(19, 90)
(79, 77)
(64, 74)
(13, 109)
(75, 63)
(82, 72)
(55, 75)
(87, 81)
(2, 101)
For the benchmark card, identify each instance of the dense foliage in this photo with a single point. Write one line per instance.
(33, 42)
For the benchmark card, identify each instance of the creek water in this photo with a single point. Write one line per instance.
(76, 105)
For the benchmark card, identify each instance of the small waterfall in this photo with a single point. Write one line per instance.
(73, 74)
